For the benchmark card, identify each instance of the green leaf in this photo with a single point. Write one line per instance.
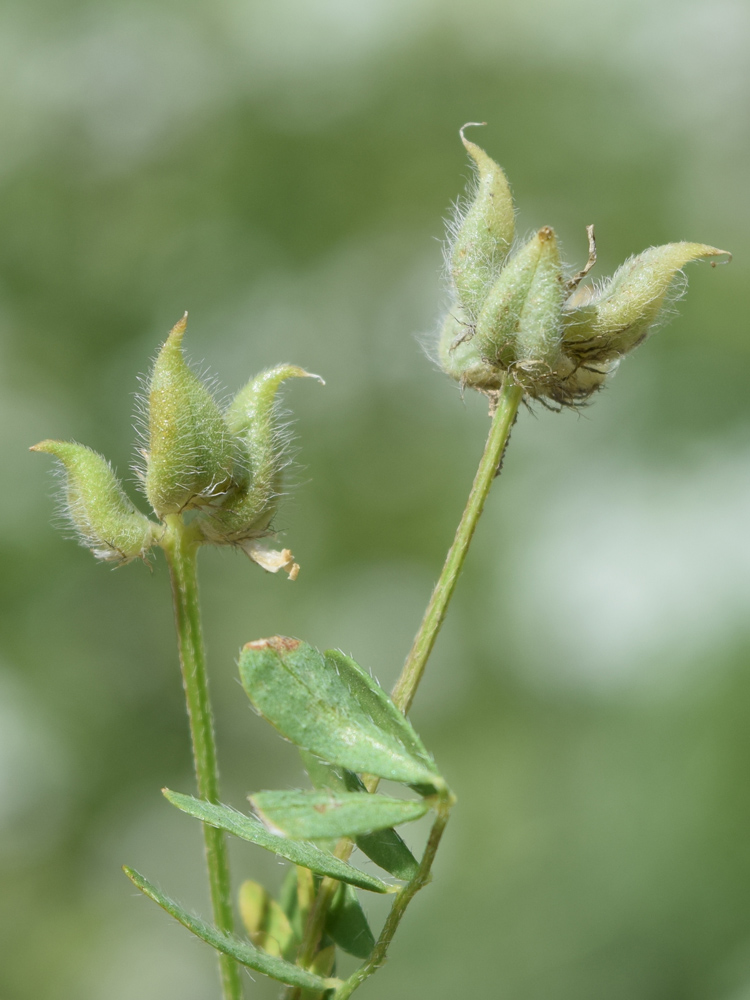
(265, 922)
(242, 951)
(384, 847)
(322, 815)
(347, 924)
(250, 828)
(388, 850)
(325, 703)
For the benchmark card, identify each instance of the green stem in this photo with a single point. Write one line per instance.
(507, 403)
(181, 549)
(505, 408)
(404, 897)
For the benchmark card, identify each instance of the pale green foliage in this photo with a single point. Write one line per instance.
(96, 505)
(517, 318)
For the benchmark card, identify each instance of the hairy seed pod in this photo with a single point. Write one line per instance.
(253, 419)
(617, 318)
(459, 355)
(190, 450)
(520, 321)
(485, 234)
(510, 318)
(96, 505)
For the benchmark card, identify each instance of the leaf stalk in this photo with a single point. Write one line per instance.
(506, 404)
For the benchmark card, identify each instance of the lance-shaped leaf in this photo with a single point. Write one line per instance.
(384, 847)
(327, 704)
(97, 506)
(190, 450)
(265, 922)
(328, 816)
(606, 324)
(242, 951)
(253, 418)
(347, 924)
(521, 319)
(249, 828)
(483, 237)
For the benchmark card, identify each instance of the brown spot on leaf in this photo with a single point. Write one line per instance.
(281, 643)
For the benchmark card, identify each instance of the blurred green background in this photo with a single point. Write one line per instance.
(281, 168)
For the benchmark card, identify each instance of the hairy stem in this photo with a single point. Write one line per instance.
(181, 551)
(506, 408)
(404, 897)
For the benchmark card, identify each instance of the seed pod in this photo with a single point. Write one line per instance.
(96, 505)
(485, 234)
(520, 321)
(617, 318)
(459, 356)
(190, 453)
(253, 419)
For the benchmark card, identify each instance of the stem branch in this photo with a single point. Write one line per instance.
(508, 401)
(504, 413)
(404, 897)
(181, 552)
